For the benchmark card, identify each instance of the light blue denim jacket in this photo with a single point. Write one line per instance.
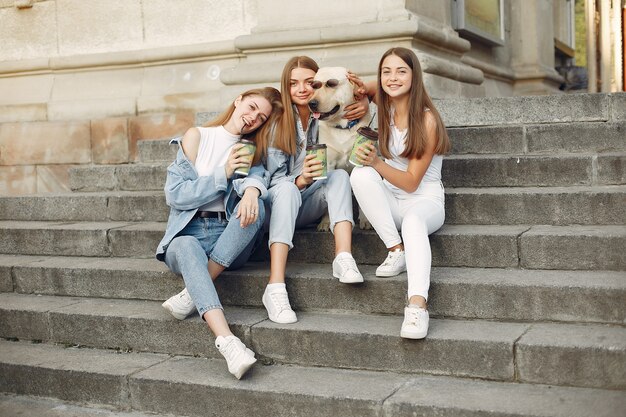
(185, 191)
(280, 165)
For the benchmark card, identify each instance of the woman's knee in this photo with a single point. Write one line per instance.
(338, 179)
(285, 193)
(363, 175)
(338, 175)
(183, 249)
(182, 244)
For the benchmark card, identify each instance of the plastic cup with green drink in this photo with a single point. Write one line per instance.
(365, 135)
(250, 147)
(319, 150)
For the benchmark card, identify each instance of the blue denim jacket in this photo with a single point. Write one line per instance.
(185, 191)
(280, 165)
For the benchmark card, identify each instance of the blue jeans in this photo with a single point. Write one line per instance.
(291, 209)
(225, 242)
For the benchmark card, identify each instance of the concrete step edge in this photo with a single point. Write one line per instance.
(152, 383)
(491, 293)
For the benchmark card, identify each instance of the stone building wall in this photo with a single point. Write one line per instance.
(81, 81)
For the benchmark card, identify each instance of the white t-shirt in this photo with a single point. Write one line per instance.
(431, 182)
(213, 150)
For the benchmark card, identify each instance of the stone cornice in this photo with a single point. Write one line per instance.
(415, 26)
(123, 59)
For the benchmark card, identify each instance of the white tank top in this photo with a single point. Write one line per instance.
(431, 182)
(213, 150)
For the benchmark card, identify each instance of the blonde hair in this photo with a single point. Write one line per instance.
(261, 135)
(419, 103)
(284, 137)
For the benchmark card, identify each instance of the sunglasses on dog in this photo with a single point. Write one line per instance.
(332, 83)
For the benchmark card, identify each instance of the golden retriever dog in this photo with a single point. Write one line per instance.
(333, 92)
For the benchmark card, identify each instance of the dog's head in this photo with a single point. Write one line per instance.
(333, 92)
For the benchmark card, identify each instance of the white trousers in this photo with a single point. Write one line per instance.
(401, 218)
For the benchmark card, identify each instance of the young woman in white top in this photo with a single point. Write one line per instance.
(402, 194)
(214, 216)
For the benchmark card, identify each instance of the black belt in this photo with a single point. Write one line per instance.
(210, 214)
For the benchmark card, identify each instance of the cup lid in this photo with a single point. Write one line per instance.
(247, 141)
(368, 132)
(316, 146)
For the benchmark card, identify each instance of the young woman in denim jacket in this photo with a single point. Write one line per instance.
(295, 199)
(214, 218)
(402, 194)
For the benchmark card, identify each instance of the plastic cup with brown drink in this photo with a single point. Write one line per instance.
(365, 135)
(250, 147)
(319, 150)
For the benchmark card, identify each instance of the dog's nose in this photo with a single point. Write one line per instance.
(313, 104)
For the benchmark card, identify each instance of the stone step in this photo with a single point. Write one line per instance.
(554, 138)
(503, 294)
(541, 205)
(533, 170)
(458, 171)
(157, 150)
(538, 353)
(563, 108)
(18, 405)
(128, 206)
(189, 386)
(531, 247)
(516, 205)
(537, 205)
(125, 177)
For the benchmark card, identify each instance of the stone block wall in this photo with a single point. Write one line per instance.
(82, 80)
(35, 157)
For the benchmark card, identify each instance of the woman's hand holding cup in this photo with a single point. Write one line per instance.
(367, 154)
(312, 168)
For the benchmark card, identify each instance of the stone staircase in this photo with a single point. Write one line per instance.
(528, 295)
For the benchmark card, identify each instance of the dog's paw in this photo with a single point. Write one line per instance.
(365, 224)
(324, 224)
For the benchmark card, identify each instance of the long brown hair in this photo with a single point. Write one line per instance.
(285, 134)
(419, 103)
(261, 135)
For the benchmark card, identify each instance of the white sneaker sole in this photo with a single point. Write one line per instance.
(166, 305)
(244, 367)
(413, 335)
(348, 281)
(275, 319)
(390, 273)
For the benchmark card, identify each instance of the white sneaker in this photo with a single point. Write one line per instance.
(415, 324)
(344, 268)
(276, 302)
(393, 265)
(238, 357)
(180, 305)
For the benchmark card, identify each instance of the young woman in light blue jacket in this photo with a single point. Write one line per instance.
(214, 217)
(295, 199)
